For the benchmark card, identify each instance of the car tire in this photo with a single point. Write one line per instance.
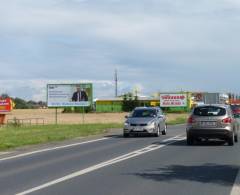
(164, 132)
(231, 140)
(126, 135)
(189, 140)
(158, 132)
(236, 138)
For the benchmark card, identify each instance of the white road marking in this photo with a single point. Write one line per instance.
(177, 138)
(51, 149)
(106, 163)
(236, 186)
(3, 153)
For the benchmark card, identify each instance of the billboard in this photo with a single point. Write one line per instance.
(69, 95)
(173, 100)
(5, 105)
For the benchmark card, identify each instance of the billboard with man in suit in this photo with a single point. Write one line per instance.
(69, 95)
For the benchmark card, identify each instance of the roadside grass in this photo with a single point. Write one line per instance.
(13, 137)
(178, 120)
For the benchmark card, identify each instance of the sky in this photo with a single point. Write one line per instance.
(156, 45)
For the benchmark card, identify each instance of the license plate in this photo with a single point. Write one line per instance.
(208, 124)
(137, 129)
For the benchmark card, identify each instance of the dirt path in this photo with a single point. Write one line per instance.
(68, 118)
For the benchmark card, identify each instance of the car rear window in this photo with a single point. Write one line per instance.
(209, 111)
(144, 113)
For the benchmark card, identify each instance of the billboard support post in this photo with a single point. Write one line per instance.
(83, 112)
(56, 116)
(2, 118)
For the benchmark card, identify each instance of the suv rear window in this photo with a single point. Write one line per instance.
(209, 111)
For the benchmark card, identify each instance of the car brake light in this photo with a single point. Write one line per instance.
(191, 120)
(227, 120)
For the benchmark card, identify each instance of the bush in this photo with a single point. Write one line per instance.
(129, 103)
(77, 110)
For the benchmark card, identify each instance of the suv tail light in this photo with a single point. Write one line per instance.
(191, 120)
(227, 120)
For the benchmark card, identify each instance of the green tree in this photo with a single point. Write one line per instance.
(21, 104)
(4, 96)
(129, 103)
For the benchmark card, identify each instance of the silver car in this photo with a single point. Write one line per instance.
(212, 121)
(145, 120)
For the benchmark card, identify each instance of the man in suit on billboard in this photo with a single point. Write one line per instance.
(79, 95)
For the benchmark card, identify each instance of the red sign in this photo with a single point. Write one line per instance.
(231, 101)
(5, 105)
(173, 100)
(173, 97)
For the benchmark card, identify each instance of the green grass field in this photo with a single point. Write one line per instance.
(12, 137)
(17, 136)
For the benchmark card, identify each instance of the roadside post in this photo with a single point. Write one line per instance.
(83, 113)
(2, 118)
(56, 116)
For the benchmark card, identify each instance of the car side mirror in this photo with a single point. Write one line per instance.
(126, 116)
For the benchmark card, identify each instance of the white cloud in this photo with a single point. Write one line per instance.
(159, 45)
(36, 89)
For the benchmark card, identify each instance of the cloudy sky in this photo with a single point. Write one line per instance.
(156, 45)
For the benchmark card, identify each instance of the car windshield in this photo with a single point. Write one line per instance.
(209, 111)
(143, 113)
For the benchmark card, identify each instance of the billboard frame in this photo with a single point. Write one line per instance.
(83, 107)
(80, 83)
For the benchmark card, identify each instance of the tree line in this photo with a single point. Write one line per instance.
(23, 104)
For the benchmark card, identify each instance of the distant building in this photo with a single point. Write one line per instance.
(116, 104)
(173, 101)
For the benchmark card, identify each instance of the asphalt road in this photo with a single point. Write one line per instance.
(125, 166)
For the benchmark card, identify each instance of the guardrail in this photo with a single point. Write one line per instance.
(26, 121)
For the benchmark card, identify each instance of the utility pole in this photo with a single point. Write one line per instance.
(116, 82)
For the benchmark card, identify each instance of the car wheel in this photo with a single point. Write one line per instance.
(158, 132)
(189, 140)
(126, 135)
(236, 138)
(164, 132)
(231, 140)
